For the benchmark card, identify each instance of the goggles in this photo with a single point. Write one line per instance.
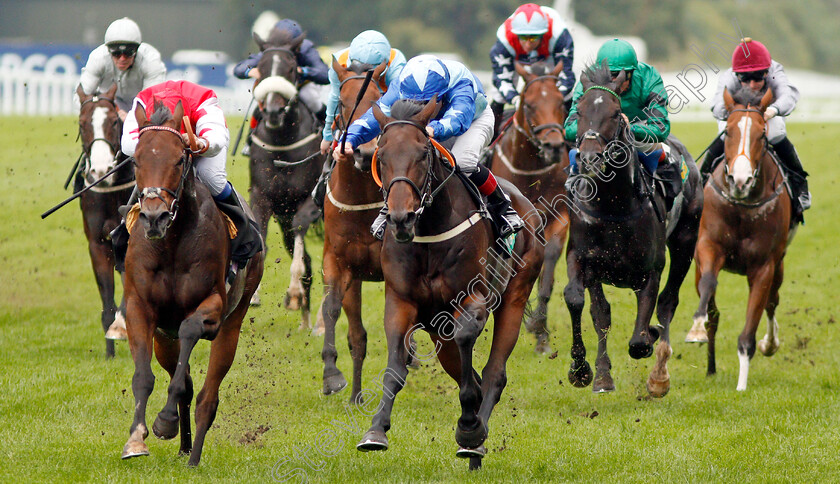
(751, 76)
(530, 38)
(122, 50)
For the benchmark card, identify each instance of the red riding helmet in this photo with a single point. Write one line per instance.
(750, 55)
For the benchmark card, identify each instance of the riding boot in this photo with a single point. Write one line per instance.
(498, 111)
(670, 180)
(504, 216)
(119, 236)
(713, 156)
(796, 175)
(320, 190)
(247, 242)
(321, 116)
(377, 228)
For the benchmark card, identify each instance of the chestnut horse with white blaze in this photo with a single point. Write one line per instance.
(745, 229)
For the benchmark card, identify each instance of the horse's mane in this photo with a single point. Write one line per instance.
(598, 74)
(279, 38)
(360, 67)
(406, 108)
(540, 69)
(748, 97)
(161, 114)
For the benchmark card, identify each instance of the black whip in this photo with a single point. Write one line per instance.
(358, 100)
(83, 190)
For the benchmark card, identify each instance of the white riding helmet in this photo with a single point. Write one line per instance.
(123, 31)
(370, 47)
(529, 20)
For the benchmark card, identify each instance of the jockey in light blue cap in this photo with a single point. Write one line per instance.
(463, 116)
(368, 49)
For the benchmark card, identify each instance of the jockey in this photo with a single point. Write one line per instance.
(643, 100)
(310, 67)
(201, 105)
(752, 68)
(123, 59)
(369, 47)
(463, 116)
(531, 34)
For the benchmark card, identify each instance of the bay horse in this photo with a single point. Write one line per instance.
(100, 128)
(351, 253)
(618, 236)
(175, 290)
(534, 157)
(443, 275)
(745, 229)
(280, 183)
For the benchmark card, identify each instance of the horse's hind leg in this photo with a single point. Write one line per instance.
(601, 319)
(297, 296)
(222, 352)
(580, 373)
(261, 206)
(538, 322)
(770, 343)
(712, 325)
(356, 334)
(760, 282)
(166, 351)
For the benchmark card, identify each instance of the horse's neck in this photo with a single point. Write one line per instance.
(616, 191)
(451, 206)
(524, 155)
(768, 176)
(354, 186)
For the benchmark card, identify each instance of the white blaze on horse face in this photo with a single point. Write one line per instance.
(742, 169)
(598, 100)
(101, 155)
(744, 359)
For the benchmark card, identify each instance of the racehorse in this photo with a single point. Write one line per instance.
(175, 290)
(351, 253)
(745, 229)
(534, 157)
(618, 236)
(100, 128)
(280, 183)
(443, 274)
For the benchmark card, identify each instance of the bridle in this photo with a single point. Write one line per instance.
(764, 143)
(342, 123)
(86, 148)
(592, 134)
(156, 192)
(426, 194)
(293, 57)
(534, 131)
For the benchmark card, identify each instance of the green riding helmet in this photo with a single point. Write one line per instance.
(620, 55)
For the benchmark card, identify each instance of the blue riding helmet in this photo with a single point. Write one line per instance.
(290, 26)
(423, 77)
(370, 47)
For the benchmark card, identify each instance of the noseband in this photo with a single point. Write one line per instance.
(427, 194)
(536, 130)
(156, 192)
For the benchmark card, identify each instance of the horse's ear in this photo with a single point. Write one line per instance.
(522, 71)
(377, 73)
(585, 82)
(429, 111)
(178, 114)
(766, 100)
(619, 80)
(294, 44)
(338, 68)
(259, 41)
(112, 91)
(558, 68)
(81, 93)
(728, 102)
(381, 117)
(140, 115)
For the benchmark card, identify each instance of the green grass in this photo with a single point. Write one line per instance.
(65, 410)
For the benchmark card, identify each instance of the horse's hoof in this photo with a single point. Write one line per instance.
(373, 440)
(466, 453)
(413, 363)
(603, 384)
(658, 388)
(542, 348)
(255, 299)
(135, 448)
(165, 429)
(766, 348)
(117, 330)
(580, 376)
(640, 349)
(697, 336)
(471, 438)
(293, 303)
(318, 331)
(334, 383)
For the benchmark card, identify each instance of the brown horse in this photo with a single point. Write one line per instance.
(99, 129)
(442, 274)
(282, 173)
(534, 156)
(351, 253)
(745, 229)
(175, 285)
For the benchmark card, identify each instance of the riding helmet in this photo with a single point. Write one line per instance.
(529, 20)
(423, 77)
(620, 55)
(750, 55)
(123, 31)
(370, 47)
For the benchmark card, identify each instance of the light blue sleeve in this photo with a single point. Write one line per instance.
(367, 127)
(332, 103)
(395, 68)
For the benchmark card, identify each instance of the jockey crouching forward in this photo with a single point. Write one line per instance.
(531, 34)
(753, 68)
(463, 116)
(208, 123)
(370, 48)
(643, 107)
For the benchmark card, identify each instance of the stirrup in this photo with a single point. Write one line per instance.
(377, 228)
(246, 150)
(511, 223)
(805, 200)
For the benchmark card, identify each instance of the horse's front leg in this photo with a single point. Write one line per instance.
(400, 315)
(580, 373)
(140, 330)
(167, 351)
(601, 320)
(300, 281)
(336, 282)
(641, 343)
(102, 259)
(261, 206)
(472, 429)
(760, 281)
(709, 262)
(204, 322)
(538, 322)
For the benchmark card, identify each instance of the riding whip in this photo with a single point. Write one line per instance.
(358, 100)
(83, 190)
(242, 127)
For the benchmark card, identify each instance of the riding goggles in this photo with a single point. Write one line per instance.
(751, 76)
(530, 38)
(124, 50)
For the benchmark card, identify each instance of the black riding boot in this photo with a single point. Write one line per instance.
(670, 181)
(498, 111)
(247, 242)
(713, 153)
(320, 190)
(321, 116)
(119, 236)
(795, 173)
